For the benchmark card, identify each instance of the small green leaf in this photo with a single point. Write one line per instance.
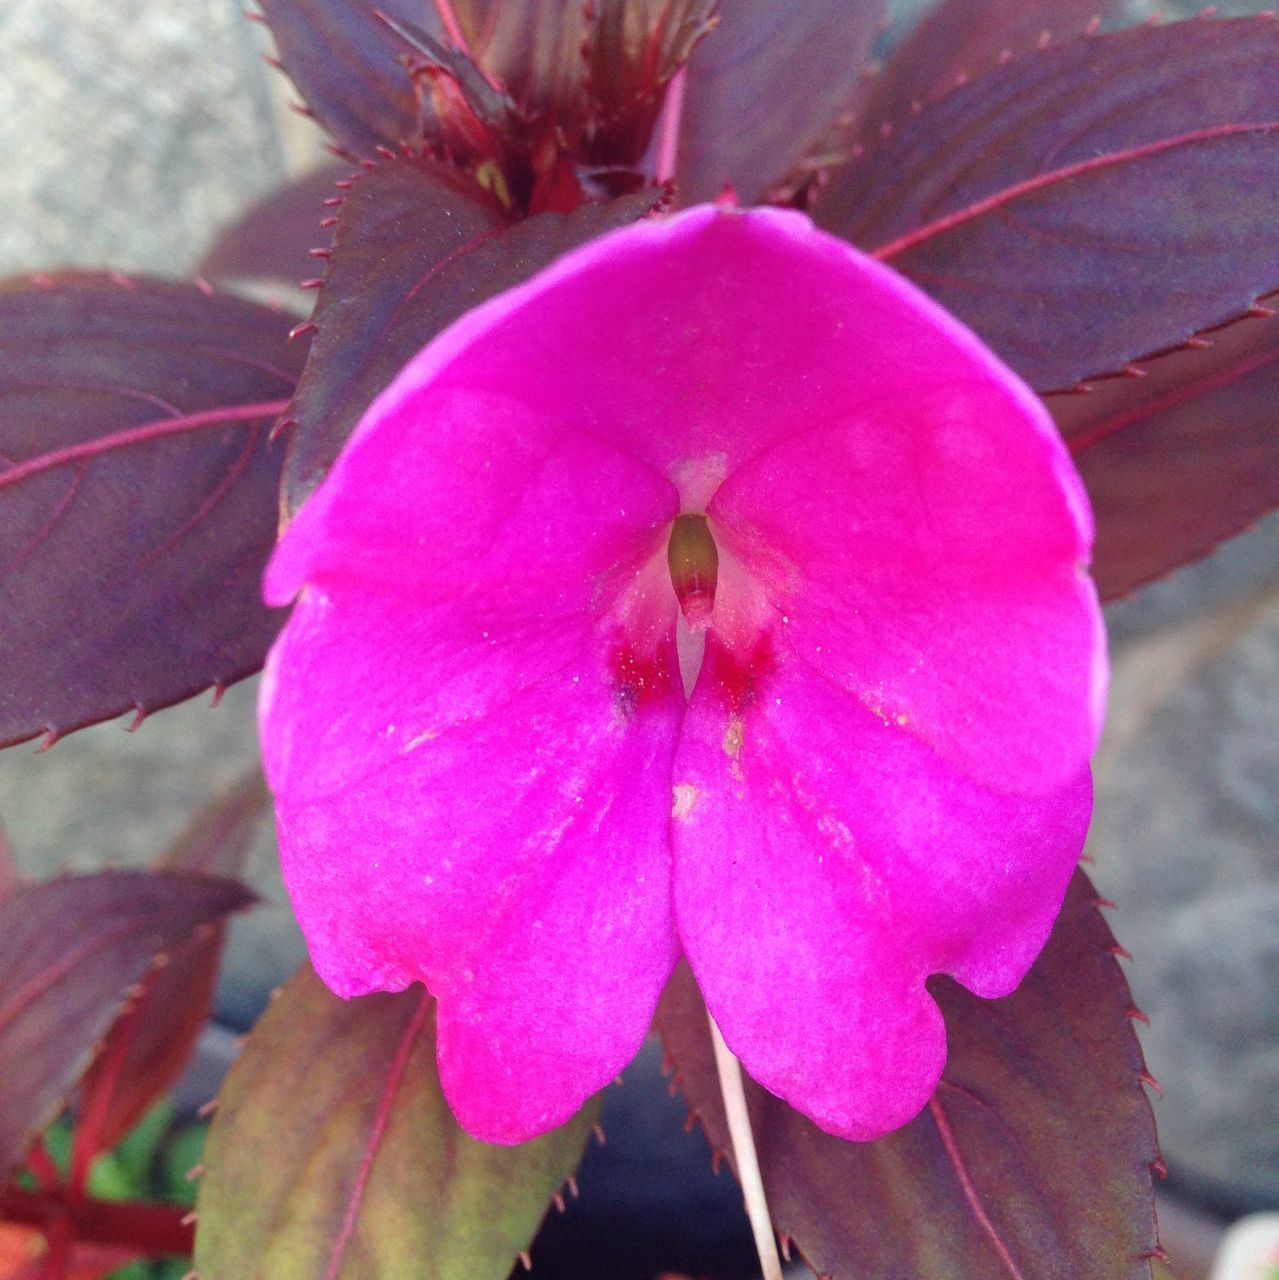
(183, 1152)
(136, 1153)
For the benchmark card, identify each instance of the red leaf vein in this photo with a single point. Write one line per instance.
(143, 434)
(396, 1074)
(947, 1135)
(53, 974)
(1179, 395)
(223, 487)
(1030, 185)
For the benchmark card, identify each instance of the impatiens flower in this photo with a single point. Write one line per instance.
(714, 593)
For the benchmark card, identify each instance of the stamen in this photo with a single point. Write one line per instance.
(694, 565)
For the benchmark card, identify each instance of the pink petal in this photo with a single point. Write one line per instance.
(910, 504)
(472, 780)
(470, 720)
(716, 333)
(926, 554)
(825, 864)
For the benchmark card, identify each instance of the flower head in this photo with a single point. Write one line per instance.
(713, 593)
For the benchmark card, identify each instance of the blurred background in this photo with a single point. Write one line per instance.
(130, 133)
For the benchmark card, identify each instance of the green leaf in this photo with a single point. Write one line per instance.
(182, 1153)
(335, 1155)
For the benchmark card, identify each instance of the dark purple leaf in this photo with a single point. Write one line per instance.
(70, 951)
(1181, 458)
(416, 247)
(138, 495)
(1089, 204)
(1032, 1159)
(634, 49)
(353, 66)
(334, 1154)
(533, 51)
(349, 66)
(564, 97)
(274, 239)
(959, 41)
(764, 87)
(149, 1044)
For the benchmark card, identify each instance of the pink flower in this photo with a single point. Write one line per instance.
(488, 775)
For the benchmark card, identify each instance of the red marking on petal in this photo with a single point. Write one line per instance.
(739, 679)
(639, 680)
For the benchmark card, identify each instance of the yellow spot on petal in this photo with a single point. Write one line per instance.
(902, 718)
(685, 797)
(733, 737)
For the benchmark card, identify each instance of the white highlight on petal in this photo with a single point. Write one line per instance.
(684, 797)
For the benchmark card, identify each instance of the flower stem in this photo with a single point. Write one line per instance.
(668, 128)
(744, 1155)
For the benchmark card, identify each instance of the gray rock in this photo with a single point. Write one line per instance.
(1186, 837)
(130, 131)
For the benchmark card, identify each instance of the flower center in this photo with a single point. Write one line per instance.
(694, 565)
(714, 591)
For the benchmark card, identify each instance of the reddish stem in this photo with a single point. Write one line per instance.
(60, 1238)
(130, 1224)
(42, 1164)
(669, 128)
(97, 1106)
